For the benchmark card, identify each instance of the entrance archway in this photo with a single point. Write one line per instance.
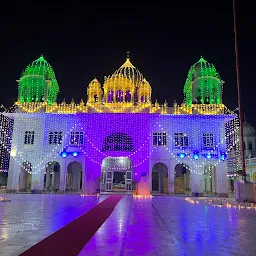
(160, 178)
(182, 179)
(209, 179)
(116, 174)
(52, 176)
(25, 177)
(74, 177)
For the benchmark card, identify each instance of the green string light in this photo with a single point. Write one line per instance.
(203, 84)
(38, 83)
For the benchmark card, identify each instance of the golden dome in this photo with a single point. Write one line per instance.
(94, 84)
(145, 85)
(127, 70)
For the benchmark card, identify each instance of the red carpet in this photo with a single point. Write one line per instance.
(71, 239)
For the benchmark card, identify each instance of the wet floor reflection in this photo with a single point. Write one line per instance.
(160, 225)
(170, 226)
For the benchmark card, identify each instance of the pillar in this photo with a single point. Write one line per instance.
(13, 176)
(171, 176)
(221, 180)
(197, 181)
(48, 178)
(63, 171)
(114, 95)
(37, 180)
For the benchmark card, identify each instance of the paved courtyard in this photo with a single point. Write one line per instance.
(161, 225)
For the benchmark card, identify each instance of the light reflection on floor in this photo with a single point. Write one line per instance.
(153, 226)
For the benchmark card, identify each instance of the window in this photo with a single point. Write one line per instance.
(208, 140)
(76, 138)
(159, 139)
(54, 138)
(118, 142)
(29, 138)
(250, 146)
(180, 139)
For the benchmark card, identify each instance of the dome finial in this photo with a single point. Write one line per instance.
(202, 59)
(41, 58)
(128, 55)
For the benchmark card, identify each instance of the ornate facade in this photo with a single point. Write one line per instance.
(119, 141)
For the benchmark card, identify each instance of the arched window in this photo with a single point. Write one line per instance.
(118, 142)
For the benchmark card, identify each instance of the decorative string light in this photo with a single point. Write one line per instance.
(126, 97)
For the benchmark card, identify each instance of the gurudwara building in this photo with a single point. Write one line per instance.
(118, 140)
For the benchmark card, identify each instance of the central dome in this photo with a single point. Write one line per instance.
(127, 84)
(127, 70)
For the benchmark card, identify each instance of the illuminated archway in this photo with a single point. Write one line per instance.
(116, 174)
(74, 177)
(52, 176)
(182, 179)
(160, 178)
(209, 179)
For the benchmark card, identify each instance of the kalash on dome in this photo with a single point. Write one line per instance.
(119, 141)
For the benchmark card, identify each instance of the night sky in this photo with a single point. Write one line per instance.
(90, 40)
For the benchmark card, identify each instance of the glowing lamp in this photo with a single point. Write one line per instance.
(195, 156)
(209, 156)
(64, 154)
(181, 155)
(75, 154)
(223, 156)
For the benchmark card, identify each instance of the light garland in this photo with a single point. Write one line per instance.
(125, 107)
(221, 202)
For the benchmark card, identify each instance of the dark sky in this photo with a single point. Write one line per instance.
(82, 41)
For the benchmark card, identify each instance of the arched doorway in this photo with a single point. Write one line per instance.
(160, 178)
(52, 177)
(116, 174)
(74, 177)
(182, 179)
(25, 177)
(209, 179)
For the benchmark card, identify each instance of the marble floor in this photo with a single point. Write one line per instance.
(159, 226)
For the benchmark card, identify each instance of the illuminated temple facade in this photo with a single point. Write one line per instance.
(118, 140)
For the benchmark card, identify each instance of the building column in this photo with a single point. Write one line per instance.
(114, 96)
(197, 181)
(63, 171)
(132, 96)
(221, 179)
(91, 173)
(37, 181)
(171, 176)
(48, 180)
(144, 183)
(13, 176)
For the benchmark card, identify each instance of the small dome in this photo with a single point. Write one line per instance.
(38, 83)
(202, 68)
(248, 129)
(127, 70)
(95, 84)
(40, 67)
(145, 84)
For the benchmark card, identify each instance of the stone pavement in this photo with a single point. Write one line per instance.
(160, 226)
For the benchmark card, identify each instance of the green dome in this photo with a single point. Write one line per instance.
(38, 83)
(205, 77)
(202, 68)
